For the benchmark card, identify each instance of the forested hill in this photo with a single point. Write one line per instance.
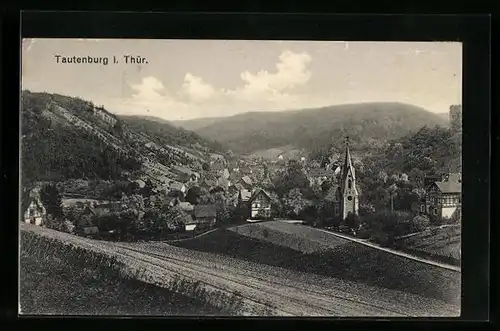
(309, 128)
(171, 134)
(70, 138)
(430, 151)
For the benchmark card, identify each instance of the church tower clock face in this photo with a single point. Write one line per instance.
(349, 198)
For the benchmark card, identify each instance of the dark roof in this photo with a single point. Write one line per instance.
(257, 192)
(319, 172)
(333, 193)
(205, 211)
(449, 187)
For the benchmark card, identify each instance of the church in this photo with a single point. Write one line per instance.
(345, 192)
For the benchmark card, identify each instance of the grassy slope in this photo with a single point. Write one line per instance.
(442, 242)
(346, 260)
(50, 285)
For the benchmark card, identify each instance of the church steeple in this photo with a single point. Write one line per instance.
(347, 167)
(349, 201)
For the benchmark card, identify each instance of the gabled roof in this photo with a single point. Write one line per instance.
(258, 192)
(205, 211)
(36, 201)
(247, 180)
(449, 187)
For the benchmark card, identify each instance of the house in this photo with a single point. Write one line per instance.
(318, 176)
(35, 212)
(176, 186)
(223, 182)
(173, 201)
(244, 196)
(208, 183)
(206, 214)
(186, 206)
(443, 199)
(186, 174)
(260, 204)
(140, 182)
(247, 182)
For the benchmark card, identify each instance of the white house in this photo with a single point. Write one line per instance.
(35, 213)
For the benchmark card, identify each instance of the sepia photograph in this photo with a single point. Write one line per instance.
(171, 177)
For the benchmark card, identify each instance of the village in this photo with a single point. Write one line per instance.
(181, 202)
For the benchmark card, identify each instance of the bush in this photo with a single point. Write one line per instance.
(384, 226)
(352, 221)
(419, 223)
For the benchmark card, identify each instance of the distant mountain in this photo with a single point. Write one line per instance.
(310, 128)
(197, 123)
(70, 138)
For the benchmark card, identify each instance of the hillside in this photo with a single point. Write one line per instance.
(168, 134)
(308, 128)
(431, 150)
(305, 249)
(84, 141)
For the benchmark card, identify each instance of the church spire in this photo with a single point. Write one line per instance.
(349, 202)
(347, 161)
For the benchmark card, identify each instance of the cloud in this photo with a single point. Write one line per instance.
(150, 96)
(148, 90)
(291, 72)
(262, 90)
(196, 89)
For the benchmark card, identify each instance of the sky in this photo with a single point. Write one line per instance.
(186, 79)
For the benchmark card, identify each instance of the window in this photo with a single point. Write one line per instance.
(422, 208)
(32, 212)
(349, 184)
(435, 211)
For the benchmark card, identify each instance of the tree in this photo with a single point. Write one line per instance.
(147, 190)
(309, 214)
(352, 221)
(294, 202)
(326, 186)
(51, 199)
(193, 195)
(205, 166)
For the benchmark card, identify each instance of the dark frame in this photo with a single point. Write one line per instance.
(472, 30)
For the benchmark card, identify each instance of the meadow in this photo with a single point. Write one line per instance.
(305, 249)
(440, 243)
